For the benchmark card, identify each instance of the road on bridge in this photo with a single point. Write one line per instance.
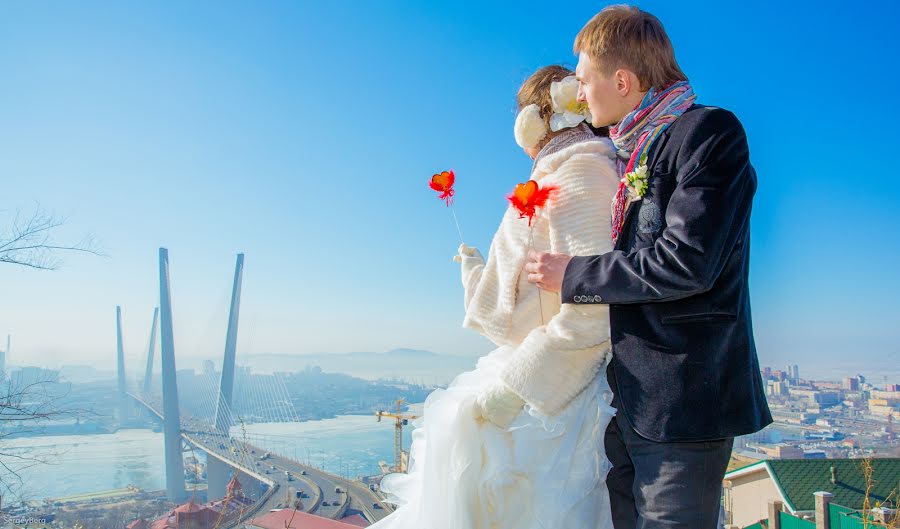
(316, 486)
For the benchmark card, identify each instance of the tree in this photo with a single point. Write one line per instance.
(29, 241)
(26, 405)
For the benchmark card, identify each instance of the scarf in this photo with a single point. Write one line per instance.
(635, 134)
(564, 139)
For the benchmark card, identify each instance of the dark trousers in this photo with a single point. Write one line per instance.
(654, 485)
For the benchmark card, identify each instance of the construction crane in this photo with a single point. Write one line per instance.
(400, 420)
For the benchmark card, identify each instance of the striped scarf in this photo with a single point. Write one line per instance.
(635, 134)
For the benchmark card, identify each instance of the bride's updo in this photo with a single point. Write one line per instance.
(536, 91)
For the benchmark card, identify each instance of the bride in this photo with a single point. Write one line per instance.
(517, 443)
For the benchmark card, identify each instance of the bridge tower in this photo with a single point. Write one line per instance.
(148, 375)
(217, 471)
(175, 490)
(120, 363)
(120, 353)
(226, 382)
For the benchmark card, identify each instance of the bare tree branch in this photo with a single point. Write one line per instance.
(26, 406)
(28, 242)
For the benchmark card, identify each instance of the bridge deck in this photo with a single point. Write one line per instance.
(316, 485)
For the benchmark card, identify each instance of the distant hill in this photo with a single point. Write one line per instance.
(412, 365)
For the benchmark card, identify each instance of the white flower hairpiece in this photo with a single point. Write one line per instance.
(530, 128)
(567, 110)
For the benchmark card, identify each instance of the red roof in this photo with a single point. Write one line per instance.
(163, 523)
(355, 519)
(302, 520)
(140, 523)
(188, 507)
(214, 509)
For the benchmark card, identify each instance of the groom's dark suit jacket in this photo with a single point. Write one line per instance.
(684, 361)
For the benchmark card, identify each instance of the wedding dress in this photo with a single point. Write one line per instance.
(546, 469)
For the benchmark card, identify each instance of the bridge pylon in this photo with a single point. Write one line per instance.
(148, 374)
(226, 382)
(120, 365)
(217, 475)
(175, 490)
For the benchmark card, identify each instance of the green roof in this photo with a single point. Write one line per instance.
(799, 479)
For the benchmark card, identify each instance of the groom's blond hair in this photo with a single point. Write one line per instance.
(623, 36)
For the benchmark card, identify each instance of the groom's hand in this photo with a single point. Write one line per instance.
(546, 270)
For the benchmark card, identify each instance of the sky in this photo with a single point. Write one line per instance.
(304, 134)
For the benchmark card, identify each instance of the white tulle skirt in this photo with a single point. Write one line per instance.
(541, 472)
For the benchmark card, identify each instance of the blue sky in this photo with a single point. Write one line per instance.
(303, 134)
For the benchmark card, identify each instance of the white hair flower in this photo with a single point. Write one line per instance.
(530, 127)
(567, 110)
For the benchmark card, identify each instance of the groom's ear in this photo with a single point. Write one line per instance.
(626, 82)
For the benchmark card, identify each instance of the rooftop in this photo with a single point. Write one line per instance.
(301, 520)
(799, 479)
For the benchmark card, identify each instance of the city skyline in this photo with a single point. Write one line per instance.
(293, 143)
(135, 367)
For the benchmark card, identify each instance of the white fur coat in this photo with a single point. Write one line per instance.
(553, 361)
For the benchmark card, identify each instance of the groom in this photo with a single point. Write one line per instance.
(684, 370)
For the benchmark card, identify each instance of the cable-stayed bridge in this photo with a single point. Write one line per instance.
(271, 479)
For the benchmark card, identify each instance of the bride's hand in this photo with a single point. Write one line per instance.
(469, 256)
(498, 404)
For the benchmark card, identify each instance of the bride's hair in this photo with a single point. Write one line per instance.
(536, 90)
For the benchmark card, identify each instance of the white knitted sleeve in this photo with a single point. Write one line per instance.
(490, 290)
(470, 280)
(556, 361)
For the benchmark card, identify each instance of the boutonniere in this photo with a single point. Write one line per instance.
(636, 180)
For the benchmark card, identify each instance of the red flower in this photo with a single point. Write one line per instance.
(528, 197)
(443, 183)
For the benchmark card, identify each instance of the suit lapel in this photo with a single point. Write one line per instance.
(629, 212)
(631, 205)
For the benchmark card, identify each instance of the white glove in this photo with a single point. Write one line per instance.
(498, 404)
(470, 257)
(468, 254)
